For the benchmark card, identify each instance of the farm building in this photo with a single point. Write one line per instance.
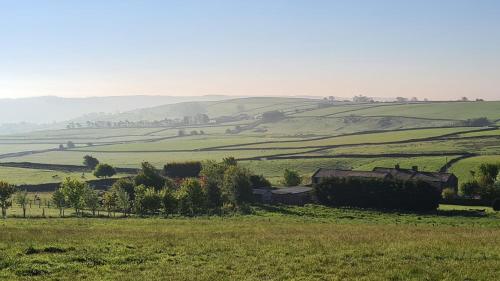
(297, 195)
(436, 179)
(323, 173)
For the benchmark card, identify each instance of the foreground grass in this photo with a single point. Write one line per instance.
(276, 243)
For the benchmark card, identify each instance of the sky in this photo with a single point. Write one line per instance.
(428, 49)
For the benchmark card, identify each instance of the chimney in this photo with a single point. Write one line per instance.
(396, 166)
(414, 168)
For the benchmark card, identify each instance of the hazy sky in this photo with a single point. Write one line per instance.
(436, 49)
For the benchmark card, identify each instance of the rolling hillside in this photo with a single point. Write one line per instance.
(310, 135)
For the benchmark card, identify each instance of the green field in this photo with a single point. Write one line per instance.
(306, 126)
(292, 243)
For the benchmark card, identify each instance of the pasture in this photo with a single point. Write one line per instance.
(347, 135)
(275, 243)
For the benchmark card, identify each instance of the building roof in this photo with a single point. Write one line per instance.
(292, 190)
(410, 174)
(337, 173)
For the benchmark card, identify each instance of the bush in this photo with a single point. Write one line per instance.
(127, 185)
(182, 170)
(448, 193)
(149, 176)
(378, 194)
(291, 178)
(147, 200)
(259, 181)
(168, 201)
(270, 116)
(496, 204)
(236, 187)
(469, 189)
(190, 198)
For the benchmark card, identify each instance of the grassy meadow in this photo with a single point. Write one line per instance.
(319, 135)
(275, 243)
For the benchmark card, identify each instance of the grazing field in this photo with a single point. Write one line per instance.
(276, 243)
(420, 134)
(33, 176)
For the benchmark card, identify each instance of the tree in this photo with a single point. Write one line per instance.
(191, 198)
(229, 161)
(168, 200)
(90, 162)
(212, 174)
(259, 181)
(291, 178)
(59, 201)
(127, 185)
(496, 204)
(271, 116)
(6, 191)
(70, 144)
(487, 173)
(469, 189)
(122, 200)
(237, 188)
(401, 99)
(109, 201)
(74, 192)
(149, 176)
(147, 200)
(22, 199)
(91, 199)
(104, 170)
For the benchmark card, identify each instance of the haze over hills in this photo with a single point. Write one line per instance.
(49, 109)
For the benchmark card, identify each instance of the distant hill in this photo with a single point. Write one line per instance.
(251, 106)
(50, 109)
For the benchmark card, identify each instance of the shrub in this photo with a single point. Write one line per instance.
(168, 201)
(291, 178)
(469, 189)
(212, 174)
(271, 116)
(496, 204)
(259, 181)
(448, 193)
(149, 176)
(191, 198)
(182, 170)
(127, 185)
(236, 187)
(147, 200)
(379, 194)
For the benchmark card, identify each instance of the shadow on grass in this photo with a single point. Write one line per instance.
(462, 213)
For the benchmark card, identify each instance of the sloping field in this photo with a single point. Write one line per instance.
(441, 110)
(34, 176)
(390, 136)
(134, 159)
(464, 167)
